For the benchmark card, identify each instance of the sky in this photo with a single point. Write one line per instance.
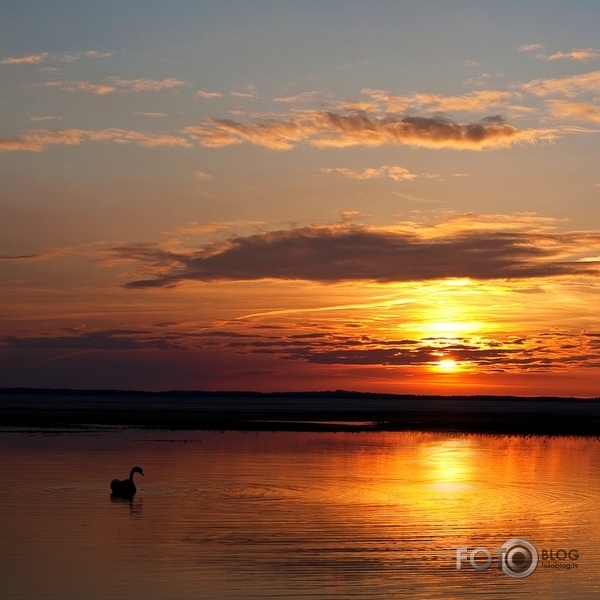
(387, 196)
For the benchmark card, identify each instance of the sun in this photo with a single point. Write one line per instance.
(447, 364)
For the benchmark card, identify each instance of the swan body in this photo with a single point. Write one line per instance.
(125, 487)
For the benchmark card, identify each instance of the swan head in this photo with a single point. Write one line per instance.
(136, 470)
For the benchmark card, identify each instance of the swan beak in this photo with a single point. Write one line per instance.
(141, 473)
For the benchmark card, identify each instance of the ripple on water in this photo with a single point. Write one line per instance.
(322, 517)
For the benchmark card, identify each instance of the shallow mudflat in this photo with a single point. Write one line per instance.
(307, 411)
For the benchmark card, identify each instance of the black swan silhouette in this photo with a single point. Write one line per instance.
(125, 487)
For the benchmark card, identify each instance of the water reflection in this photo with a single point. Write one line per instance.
(239, 515)
(134, 503)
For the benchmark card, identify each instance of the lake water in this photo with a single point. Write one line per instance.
(294, 515)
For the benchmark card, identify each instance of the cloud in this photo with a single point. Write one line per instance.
(366, 174)
(112, 339)
(207, 95)
(146, 85)
(217, 226)
(99, 89)
(36, 140)
(336, 130)
(302, 98)
(346, 252)
(581, 54)
(250, 92)
(480, 79)
(43, 56)
(366, 107)
(568, 86)
(579, 110)
(39, 256)
(154, 115)
(395, 173)
(530, 47)
(30, 59)
(72, 56)
(115, 84)
(203, 176)
(473, 101)
(536, 352)
(47, 118)
(507, 352)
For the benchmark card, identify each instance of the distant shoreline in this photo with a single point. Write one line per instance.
(300, 411)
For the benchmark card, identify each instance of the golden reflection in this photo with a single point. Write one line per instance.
(448, 464)
(272, 513)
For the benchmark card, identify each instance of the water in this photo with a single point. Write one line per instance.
(293, 515)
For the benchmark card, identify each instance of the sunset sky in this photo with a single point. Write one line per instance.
(379, 196)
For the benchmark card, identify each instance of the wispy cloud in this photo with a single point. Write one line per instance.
(44, 56)
(395, 173)
(336, 130)
(36, 140)
(579, 110)
(30, 59)
(100, 89)
(343, 252)
(203, 176)
(152, 115)
(72, 56)
(474, 101)
(111, 339)
(581, 54)
(568, 86)
(302, 98)
(208, 95)
(39, 256)
(46, 118)
(114, 84)
(536, 352)
(218, 226)
(366, 107)
(250, 92)
(530, 47)
(146, 85)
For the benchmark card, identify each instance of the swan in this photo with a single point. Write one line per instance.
(125, 487)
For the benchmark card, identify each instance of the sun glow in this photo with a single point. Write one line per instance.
(447, 364)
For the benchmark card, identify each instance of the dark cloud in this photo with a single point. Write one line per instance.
(337, 253)
(115, 339)
(536, 353)
(339, 129)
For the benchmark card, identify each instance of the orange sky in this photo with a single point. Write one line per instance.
(326, 198)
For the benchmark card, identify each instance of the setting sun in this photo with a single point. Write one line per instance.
(447, 364)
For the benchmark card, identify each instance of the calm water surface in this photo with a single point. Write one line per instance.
(285, 515)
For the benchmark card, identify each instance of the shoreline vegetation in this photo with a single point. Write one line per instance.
(299, 411)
